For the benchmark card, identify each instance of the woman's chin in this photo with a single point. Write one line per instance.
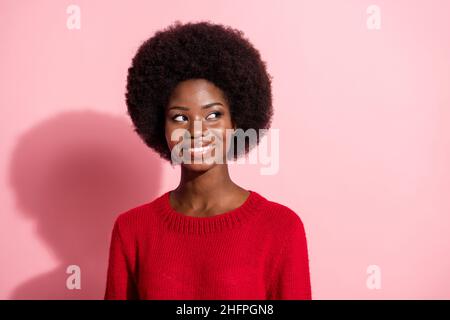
(200, 163)
(199, 167)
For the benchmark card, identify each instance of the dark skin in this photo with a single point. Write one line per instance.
(205, 189)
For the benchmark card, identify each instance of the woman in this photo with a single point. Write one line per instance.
(209, 238)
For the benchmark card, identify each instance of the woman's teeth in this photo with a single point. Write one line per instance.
(200, 149)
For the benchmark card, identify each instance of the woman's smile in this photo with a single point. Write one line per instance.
(201, 150)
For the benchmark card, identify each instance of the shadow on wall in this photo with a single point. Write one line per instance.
(73, 174)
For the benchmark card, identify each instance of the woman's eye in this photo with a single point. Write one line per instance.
(179, 118)
(214, 115)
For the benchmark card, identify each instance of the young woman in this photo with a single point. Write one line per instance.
(209, 238)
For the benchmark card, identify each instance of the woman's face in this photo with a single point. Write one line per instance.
(199, 109)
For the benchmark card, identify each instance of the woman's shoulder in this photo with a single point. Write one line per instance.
(281, 214)
(140, 213)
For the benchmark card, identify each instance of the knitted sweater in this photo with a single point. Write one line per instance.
(257, 251)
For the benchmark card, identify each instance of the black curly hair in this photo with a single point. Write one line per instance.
(217, 53)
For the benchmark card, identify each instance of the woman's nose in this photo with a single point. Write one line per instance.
(197, 128)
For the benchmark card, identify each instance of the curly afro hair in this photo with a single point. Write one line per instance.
(217, 53)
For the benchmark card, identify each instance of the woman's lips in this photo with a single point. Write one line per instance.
(201, 149)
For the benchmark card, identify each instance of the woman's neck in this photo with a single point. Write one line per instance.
(207, 189)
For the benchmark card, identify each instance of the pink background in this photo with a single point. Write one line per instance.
(364, 124)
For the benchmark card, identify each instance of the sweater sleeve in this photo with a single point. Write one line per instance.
(291, 276)
(120, 284)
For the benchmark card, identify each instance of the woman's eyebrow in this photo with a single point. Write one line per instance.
(209, 105)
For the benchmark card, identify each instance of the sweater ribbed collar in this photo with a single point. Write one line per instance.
(182, 223)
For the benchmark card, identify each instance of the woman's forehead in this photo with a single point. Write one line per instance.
(196, 93)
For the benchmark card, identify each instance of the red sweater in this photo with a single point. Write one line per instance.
(257, 251)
